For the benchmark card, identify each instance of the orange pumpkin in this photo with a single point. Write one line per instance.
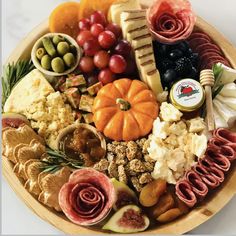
(125, 110)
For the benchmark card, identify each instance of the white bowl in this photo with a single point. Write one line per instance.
(39, 44)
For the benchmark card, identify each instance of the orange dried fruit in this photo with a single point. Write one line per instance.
(87, 7)
(169, 215)
(65, 18)
(165, 203)
(151, 193)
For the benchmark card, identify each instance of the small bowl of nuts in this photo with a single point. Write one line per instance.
(56, 54)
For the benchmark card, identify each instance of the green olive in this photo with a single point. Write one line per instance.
(73, 49)
(40, 53)
(57, 39)
(46, 62)
(63, 48)
(58, 65)
(69, 59)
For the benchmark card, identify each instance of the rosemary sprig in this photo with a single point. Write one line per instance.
(55, 160)
(12, 74)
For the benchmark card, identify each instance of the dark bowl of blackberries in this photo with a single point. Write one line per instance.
(175, 62)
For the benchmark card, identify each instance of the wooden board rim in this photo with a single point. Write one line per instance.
(186, 223)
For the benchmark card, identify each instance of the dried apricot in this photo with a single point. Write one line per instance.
(169, 215)
(65, 18)
(165, 203)
(151, 193)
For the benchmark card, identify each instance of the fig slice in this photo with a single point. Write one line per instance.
(128, 219)
(13, 120)
(125, 196)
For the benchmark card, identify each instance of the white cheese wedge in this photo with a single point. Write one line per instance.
(198, 145)
(137, 33)
(219, 120)
(229, 101)
(228, 75)
(147, 57)
(123, 5)
(229, 90)
(144, 51)
(227, 113)
(32, 88)
(154, 82)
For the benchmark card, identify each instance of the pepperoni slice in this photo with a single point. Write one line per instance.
(196, 35)
(193, 43)
(199, 49)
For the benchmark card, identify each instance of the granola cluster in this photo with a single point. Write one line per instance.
(128, 162)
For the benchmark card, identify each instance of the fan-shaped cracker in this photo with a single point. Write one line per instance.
(51, 185)
(25, 152)
(32, 170)
(11, 137)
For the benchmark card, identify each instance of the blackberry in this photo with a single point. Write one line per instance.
(183, 66)
(165, 64)
(194, 59)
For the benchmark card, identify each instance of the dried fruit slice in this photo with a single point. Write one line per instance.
(13, 120)
(87, 7)
(129, 219)
(65, 19)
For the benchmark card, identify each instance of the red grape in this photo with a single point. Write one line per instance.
(84, 36)
(131, 67)
(91, 47)
(117, 64)
(98, 17)
(106, 39)
(101, 59)
(123, 48)
(115, 29)
(106, 76)
(92, 79)
(86, 64)
(96, 29)
(84, 24)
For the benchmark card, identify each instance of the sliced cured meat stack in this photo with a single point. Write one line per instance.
(209, 52)
(88, 197)
(171, 21)
(210, 170)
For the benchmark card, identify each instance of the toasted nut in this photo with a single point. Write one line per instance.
(169, 215)
(165, 203)
(151, 192)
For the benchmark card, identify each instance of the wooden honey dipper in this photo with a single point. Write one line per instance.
(207, 80)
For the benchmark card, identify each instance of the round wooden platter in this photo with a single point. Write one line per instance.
(203, 212)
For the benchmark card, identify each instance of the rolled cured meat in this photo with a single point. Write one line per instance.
(88, 197)
(215, 158)
(207, 178)
(185, 193)
(198, 186)
(171, 21)
(208, 173)
(225, 135)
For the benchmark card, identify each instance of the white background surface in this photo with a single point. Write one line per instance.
(18, 18)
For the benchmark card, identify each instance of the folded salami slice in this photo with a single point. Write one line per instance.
(88, 197)
(225, 135)
(198, 186)
(185, 193)
(171, 21)
(229, 152)
(207, 178)
(217, 159)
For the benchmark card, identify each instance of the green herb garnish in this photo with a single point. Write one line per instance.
(55, 160)
(12, 74)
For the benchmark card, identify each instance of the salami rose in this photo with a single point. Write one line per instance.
(88, 197)
(171, 21)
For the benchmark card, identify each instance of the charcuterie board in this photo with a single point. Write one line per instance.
(200, 214)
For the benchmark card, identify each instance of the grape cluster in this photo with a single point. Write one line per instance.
(105, 53)
(175, 62)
